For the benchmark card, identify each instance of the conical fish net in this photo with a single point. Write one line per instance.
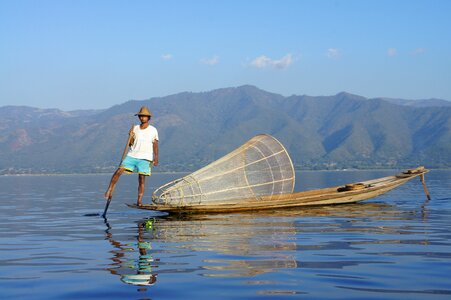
(260, 167)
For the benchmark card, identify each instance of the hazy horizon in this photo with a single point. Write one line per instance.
(149, 98)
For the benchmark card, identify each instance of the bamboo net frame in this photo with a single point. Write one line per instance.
(259, 167)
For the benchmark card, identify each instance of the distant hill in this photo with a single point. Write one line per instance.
(420, 103)
(340, 131)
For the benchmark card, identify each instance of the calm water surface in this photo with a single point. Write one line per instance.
(397, 246)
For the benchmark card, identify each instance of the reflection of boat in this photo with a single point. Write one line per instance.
(227, 245)
(247, 244)
(334, 195)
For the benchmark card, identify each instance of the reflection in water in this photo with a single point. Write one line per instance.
(424, 210)
(133, 271)
(253, 244)
(250, 244)
(246, 246)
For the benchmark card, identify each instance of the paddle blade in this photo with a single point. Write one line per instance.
(92, 215)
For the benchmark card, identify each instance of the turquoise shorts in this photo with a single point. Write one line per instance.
(140, 166)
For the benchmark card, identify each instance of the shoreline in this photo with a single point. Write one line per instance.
(187, 172)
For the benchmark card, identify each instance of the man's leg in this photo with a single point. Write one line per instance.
(141, 186)
(114, 179)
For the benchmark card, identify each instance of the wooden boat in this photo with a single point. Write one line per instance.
(348, 193)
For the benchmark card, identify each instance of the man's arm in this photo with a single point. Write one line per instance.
(155, 152)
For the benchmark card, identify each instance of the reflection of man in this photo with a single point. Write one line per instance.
(139, 279)
(142, 266)
(144, 275)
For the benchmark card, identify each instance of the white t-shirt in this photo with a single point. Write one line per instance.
(142, 147)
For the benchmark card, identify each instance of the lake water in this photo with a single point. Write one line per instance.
(396, 246)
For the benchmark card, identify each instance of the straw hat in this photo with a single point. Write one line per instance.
(144, 111)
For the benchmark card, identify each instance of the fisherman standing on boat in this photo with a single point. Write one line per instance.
(142, 154)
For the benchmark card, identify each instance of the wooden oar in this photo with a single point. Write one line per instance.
(127, 145)
(425, 187)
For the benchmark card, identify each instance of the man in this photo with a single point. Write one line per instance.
(142, 154)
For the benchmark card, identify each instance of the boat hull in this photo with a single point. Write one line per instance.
(327, 196)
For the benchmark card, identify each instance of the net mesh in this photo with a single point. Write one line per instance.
(260, 167)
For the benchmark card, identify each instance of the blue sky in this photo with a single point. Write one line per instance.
(95, 54)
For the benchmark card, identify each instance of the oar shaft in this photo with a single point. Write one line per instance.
(127, 146)
(106, 207)
(425, 187)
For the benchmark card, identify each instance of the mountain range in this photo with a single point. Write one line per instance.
(323, 132)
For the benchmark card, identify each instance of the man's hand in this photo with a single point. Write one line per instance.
(155, 161)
